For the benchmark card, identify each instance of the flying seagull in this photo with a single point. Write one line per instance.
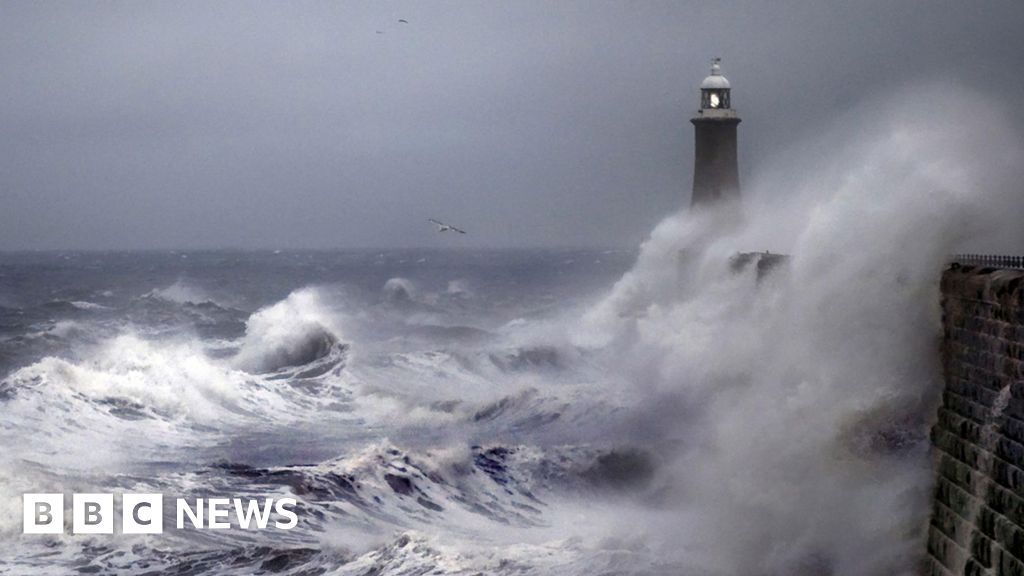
(403, 20)
(442, 227)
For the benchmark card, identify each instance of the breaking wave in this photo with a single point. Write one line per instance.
(180, 292)
(399, 290)
(294, 332)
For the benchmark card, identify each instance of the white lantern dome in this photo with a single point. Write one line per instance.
(715, 81)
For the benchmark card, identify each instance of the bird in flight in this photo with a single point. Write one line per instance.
(403, 20)
(442, 227)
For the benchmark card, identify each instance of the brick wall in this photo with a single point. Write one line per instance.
(977, 522)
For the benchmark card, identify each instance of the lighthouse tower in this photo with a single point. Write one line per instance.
(715, 173)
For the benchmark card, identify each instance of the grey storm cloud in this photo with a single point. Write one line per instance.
(332, 124)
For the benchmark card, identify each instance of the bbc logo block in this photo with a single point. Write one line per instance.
(43, 514)
(142, 513)
(93, 513)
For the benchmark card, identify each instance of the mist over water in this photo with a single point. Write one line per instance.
(542, 412)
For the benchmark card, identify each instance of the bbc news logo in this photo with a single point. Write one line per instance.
(144, 513)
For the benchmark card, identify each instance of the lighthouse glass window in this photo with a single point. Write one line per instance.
(714, 101)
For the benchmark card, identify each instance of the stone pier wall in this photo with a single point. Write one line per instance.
(977, 522)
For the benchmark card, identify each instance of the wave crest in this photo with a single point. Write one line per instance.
(296, 331)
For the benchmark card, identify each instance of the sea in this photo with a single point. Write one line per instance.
(424, 408)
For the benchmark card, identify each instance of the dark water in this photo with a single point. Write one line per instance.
(424, 408)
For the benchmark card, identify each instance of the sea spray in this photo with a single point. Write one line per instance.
(785, 395)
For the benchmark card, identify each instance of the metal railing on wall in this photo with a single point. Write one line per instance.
(991, 260)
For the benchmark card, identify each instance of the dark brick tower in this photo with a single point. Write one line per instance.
(715, 172)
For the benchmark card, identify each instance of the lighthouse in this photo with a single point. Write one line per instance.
(715, 172)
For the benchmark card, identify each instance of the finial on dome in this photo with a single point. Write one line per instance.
(716, 68)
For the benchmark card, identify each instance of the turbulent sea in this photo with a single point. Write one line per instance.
(419, 405)
(676, 410)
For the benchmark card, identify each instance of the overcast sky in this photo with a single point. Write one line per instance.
(297, 124)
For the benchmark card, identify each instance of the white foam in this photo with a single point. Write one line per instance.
(82, 305)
